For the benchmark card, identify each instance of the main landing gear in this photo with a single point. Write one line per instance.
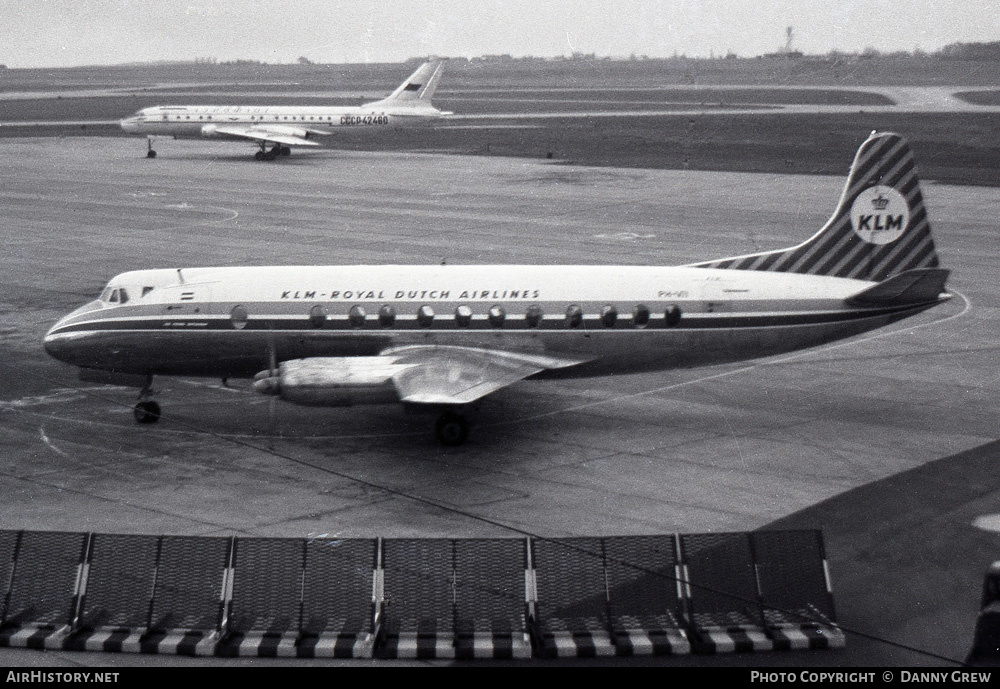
(451, 429)
(146, 409)
(270, 154)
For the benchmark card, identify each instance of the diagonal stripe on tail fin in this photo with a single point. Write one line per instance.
(878, 230)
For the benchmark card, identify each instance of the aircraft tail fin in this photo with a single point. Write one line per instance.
(878, 230)
(419, 88)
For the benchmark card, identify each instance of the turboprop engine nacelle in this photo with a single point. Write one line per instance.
(332, 382)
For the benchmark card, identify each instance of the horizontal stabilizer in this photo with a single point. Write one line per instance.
(917, 286)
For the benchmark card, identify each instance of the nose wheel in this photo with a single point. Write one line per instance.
(150, 153)
(146, 412)
(146, 409)
(451, 429)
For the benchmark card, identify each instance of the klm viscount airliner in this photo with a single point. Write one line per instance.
(280, 126)
(442, 337)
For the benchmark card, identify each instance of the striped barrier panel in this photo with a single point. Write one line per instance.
(416, 598)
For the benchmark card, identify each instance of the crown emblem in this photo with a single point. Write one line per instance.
(880, 202)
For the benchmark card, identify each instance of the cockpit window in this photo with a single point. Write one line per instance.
(114, 295)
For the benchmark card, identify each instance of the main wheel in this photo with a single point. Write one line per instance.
(146, 412)
(451, 429)
(286, 151)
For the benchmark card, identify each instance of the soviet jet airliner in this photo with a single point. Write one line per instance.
(275, 128)
(444, 336)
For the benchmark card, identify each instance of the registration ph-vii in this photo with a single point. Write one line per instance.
(59, 677)
(814, 676)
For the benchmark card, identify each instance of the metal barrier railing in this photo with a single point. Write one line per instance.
(416, 597)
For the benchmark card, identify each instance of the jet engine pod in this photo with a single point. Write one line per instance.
(332, 382)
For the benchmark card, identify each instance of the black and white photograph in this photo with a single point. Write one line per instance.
(564, 333)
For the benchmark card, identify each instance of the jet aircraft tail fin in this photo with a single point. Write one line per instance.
(419, 88)
(878, 230)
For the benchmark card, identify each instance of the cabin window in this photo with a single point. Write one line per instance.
(317, 316)
(673, 315)
(609, 314)
(497, 316)
(238, 317)
(533, 315)
(574, 316)
(356, 316)
(463, 316)
(425, 316)
(387, 316)
(640, 317)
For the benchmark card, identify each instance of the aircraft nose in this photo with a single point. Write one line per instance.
(55, 344)
(130, 124)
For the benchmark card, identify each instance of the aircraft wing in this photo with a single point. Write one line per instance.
(438, 374)
(268, 134)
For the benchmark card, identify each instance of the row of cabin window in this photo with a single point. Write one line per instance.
(252, 117)
(463, 316)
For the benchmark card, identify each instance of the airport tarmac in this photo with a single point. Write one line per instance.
(726, 448)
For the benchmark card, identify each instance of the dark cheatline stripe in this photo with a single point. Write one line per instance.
(688, 321)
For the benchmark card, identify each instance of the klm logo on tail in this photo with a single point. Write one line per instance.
(880, 215)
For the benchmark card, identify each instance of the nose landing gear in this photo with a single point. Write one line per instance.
(146, 409)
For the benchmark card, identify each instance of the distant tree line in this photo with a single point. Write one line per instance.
(955, 51)
(971, 51)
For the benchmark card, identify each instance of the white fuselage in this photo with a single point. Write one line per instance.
(237, 321)
(193, 121)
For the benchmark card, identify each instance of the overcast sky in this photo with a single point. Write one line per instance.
(55, 33)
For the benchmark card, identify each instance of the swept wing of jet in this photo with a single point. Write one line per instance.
(442, 337)
(275, 129)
